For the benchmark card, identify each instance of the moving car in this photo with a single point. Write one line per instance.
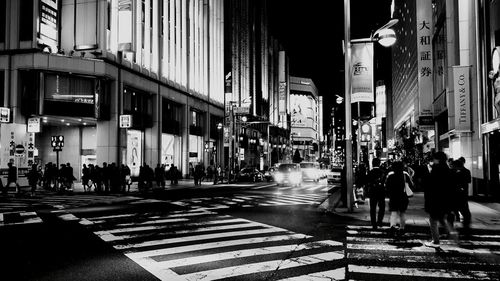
(310, 171)
(335, 176)
(269, 174)
(288, 173)
(250, 174)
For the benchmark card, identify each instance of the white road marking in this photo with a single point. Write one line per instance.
(246, 253)
(264, 266)
(336, 274)
(421, 272)
(197, 238)
(215, 245)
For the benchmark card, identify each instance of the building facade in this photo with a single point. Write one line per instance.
(82, 69)
(258, 69)
(487, 21)
(304, 108)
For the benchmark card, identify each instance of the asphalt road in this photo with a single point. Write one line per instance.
(236, 232)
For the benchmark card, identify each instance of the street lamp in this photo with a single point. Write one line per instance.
(386, 38)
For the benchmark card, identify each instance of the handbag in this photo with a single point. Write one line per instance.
(408, 191)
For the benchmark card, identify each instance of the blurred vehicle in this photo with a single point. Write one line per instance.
(269, 174)
(250, 174)
(288, 173)
(335, 176)
(310, 171)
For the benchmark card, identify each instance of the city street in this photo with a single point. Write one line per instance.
(231, 232)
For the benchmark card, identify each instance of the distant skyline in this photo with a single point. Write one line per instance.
(312, 33)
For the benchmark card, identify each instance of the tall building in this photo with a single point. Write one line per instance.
(258, 67)
(487, 113)
(122, 81)
(304, 108)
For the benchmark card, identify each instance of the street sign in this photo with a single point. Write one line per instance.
(125, 121)
(57, 142)
(4, 115)
(241, 110)
(242, 154)
(19, 149)
(34, 125)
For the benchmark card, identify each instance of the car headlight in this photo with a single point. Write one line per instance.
(278, 177)
(295, 177)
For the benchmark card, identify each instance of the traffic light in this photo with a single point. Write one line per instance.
(206, 146)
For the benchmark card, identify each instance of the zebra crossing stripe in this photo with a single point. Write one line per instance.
(443, 241)
(300, 200)
(421, 249)
(245, 253)
(421, 259)
(229, 233)
(234, 271)
(172, 223)
(214, 245)
(157, 220)
(420, 272)
(336, 274)
(315, 187)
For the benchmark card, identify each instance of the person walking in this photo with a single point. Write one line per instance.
(105, 176)
(437, 201)
(85, 178)
(33, 177)
(376, 193)
(462, 178)
(396, 183)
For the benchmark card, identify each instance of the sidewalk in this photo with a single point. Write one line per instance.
(484, 215)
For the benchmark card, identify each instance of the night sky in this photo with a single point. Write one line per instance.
(312, 33)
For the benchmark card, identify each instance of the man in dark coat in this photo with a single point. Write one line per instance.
(437, 197)
(376, 193)
(12, 176)
(462, 178)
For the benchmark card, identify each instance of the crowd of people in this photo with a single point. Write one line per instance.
(444, 183)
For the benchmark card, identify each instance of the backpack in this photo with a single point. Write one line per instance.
(376, 185)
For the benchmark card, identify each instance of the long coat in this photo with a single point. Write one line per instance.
(437, 193)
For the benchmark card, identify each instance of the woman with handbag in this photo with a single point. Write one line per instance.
(399, 188)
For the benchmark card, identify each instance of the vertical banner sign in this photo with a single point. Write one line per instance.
(380, 106)
(362, 72)
(282, 84)
(424, 56)
(461, 83)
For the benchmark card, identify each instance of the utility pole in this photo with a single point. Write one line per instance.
(347, 100)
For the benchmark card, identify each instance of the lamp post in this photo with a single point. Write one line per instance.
(386, 37)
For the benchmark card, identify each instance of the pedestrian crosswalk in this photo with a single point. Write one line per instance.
(61, 201)
(304, 187)
(374, 255)
(203, 245)
(251, 200)
(16, 218)
(22, 210)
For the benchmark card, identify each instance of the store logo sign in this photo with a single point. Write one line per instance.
(33, 125)
(125, 121)
(4, 115)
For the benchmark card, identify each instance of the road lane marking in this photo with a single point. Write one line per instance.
(420, 272)
(336, 274)
(259, 267)
(246, 253)
(215, 245)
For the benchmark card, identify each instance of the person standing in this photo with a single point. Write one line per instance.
(437, 201)
(33, 177)
(462, 178)
(174, 175)
(12, 177)
(395, 184)
(105, 176)
(69, 176)
(159, 175)
(376, 193)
